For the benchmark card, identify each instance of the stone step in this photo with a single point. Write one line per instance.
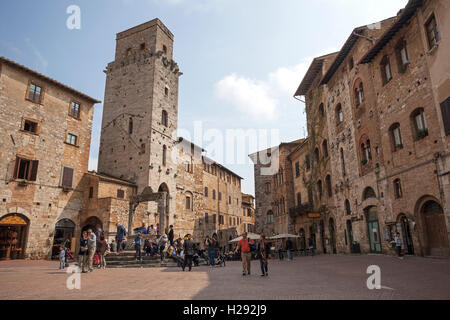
(143, 263)
(131, 257)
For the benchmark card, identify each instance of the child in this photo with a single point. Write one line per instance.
(62, 257)
(398, 244)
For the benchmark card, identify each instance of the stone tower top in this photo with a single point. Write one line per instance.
(152, 35)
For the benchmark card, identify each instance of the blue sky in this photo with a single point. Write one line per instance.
(242, 59)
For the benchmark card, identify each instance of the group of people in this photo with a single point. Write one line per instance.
(92, 244)
(246, 246)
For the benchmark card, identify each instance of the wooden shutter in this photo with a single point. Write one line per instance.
(34, 169)
(16, 168)
(445, 109)
(67, 178)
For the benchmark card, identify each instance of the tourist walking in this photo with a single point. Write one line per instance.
(280, 250)
(120, 236)
(289, 246)
(171, 235)
(189, 251)
(83, 253)
(210, 248)
(398, 244)
(102, 246)
(92, 247)
(263, 254)
(138, 246)
(62, 257)
(244, 245)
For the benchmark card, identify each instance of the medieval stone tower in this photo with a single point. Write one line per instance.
(140, 113)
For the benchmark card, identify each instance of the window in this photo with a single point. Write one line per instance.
(267, 187)
(221, 220)
(91, 192)
(419, 124)
(120, 194)
(206, 217)
(319, 189)
(339, 114)
(220, 196)
(142, 46)
(386, 73)
(351, 64)
(164, 155)
(67, 177)
(397, 189)
(342, 162)
(30, 126)
(310, 197)
(366, 153)
(128, 52)
(359, 92)
(165, 49)
(297, 169)
(71, 139)
(166, 91)
(214, 195)
(325, 148)
(432, 31)
(214, 219)
(35, 93)
(270, 217)
(299, 199)
(369, 193)
(281, 177)
(75, 110)
(229, 199)
(26, 169)
(396, 137)
(316, 156)
(401, 51)
(445, 110)
(188, 203)
(130, 126)
(206, 191)
(308, 162)
(187, 166)
(321, 110)
(348, 210)
(165, 118)
(328, 183)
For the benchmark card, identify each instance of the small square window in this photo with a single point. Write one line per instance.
(30, 126)
(120, 194)
(71, 139)
(142, 46)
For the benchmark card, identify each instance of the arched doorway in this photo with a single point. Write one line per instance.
(64, 232)
(373, 229)
(13, 236)
(322, 236)
(164, 217)
(350, 234)
(92, 223)
(435, 228)
(332, 235)
(403, 226)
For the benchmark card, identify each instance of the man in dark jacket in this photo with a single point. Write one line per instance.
(120, 236)
(289, 246)
(189, 251)
(170, 235)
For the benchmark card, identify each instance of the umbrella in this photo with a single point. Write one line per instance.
(284, 235)
(252, 236)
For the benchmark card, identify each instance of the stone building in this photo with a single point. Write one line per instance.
(45, 132)
(273, 188)
(248, 214)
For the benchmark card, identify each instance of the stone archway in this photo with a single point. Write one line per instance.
(436, 235)
(14, 228)
(92, 223)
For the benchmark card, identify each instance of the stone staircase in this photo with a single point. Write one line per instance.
(126, 260)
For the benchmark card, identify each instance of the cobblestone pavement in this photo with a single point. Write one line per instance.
(320, 277)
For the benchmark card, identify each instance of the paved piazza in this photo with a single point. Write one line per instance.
(320, 277)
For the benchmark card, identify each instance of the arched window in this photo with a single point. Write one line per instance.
(165, 118)
(386, 72)
(316, 155)
(419, 123)
(325, 148)
(339, 114)
(164, 155)
(189, 201)
(319, 189)
(396, 137)
(321, 110)
(401, 51)
(270, 216)
(328, 183)
(359, 92)
(369, 193)
(348, 210)
(397, 189)
(130, 126)
(366, 153)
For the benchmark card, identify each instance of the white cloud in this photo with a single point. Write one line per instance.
(285, 80)
(248, 96)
